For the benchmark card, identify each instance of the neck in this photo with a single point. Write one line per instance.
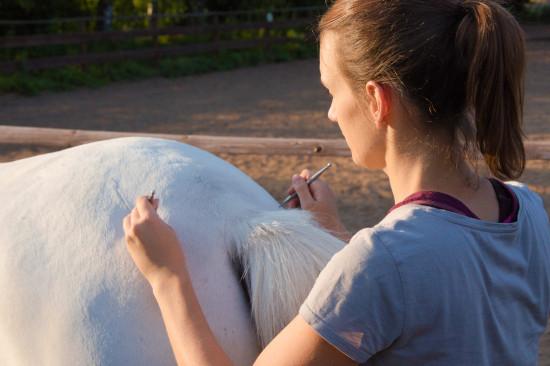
(428, 171)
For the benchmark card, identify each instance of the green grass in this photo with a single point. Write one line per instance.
(67, 78)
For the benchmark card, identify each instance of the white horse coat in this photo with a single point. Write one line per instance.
(70, 294)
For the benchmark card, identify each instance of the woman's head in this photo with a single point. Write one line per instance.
(457, 66)
(365, 140)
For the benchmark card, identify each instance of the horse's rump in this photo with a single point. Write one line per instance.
(71, 294)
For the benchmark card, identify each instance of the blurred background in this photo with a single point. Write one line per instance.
(66, 43)
(51, 45)
(241, 68)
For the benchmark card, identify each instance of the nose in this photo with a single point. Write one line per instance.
(332, 113)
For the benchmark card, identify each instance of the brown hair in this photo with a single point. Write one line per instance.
(460, 63)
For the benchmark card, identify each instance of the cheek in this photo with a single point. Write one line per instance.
(366, 143)
(371, 153)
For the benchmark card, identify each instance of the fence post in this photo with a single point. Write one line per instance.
(217, 33)
(83, 45)
(152, 12)
(269, 18)
(101, 28)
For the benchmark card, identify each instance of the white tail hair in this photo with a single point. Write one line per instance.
(281, 253)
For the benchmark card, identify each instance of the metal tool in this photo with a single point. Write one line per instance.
(312, 179)
(151, 197)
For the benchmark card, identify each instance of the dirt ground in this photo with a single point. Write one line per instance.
(283, 100)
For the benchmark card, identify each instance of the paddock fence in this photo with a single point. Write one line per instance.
(65, 138)
(86, 40)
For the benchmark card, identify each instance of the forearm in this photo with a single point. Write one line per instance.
(342, 233)
(336, 228)
(192, 340)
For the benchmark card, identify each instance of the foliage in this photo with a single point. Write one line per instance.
(516, 6)
(48, 9)
(98, 75)
(538, 13)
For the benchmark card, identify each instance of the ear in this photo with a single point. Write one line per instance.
(379, 102)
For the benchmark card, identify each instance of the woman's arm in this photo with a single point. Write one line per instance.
(299, 344)
(192, 340)
(155, 249)
(320, 200)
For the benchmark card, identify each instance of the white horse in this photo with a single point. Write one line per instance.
(70, 294)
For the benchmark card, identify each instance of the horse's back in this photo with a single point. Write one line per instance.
(71, 294)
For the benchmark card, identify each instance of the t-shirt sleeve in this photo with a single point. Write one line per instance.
(357, 301)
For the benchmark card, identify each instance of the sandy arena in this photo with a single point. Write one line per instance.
(282, 100)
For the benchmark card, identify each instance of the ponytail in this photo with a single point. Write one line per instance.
(455, 61)
(491, 45)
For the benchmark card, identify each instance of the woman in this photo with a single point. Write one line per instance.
(457, 273)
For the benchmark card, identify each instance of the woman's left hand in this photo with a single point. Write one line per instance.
(152, 243)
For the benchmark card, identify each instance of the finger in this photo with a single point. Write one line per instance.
(293, 203)
(304, 195)
(320, 190)
(126, 224)
(134, 216)
(156, 203)
(305, 174)
(144, 207)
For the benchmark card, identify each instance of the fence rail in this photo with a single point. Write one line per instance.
(140, 54)
(211, 26)
(80, 37)
(200, 15)
(64, 138)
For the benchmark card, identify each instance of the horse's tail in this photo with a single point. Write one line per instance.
(281, 254)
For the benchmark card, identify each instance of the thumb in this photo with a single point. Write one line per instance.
(300, 186)
(144, 207)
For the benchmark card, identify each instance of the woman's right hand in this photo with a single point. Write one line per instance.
(318, 199)
(153, 244)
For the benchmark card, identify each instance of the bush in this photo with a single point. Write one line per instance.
(517, 6)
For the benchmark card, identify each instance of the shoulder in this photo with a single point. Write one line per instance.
(366, 246)
(524, 193)
(364, 259)
(417, 226)
(357, 301)
(531, 203)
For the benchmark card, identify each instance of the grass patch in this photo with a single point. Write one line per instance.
(67, 78)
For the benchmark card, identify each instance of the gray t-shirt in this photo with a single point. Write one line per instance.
(427, 286)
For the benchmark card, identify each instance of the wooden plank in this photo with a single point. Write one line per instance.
(64, 138)
(536, 32)
(533, 33)
(202, 15)
(141, 54)
(537, 150)
(82, 37)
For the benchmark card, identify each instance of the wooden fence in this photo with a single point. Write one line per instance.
(64, 138)
(268, 26)
(213, 26)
